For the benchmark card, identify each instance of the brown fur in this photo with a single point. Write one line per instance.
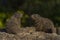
(14, 23)
(43, 24)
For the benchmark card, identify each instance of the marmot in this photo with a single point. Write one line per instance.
(14, 23)
(43, 24)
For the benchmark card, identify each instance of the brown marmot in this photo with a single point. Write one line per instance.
(43, 24)
(14, 23)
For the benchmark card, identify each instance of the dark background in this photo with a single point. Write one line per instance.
(46, 8)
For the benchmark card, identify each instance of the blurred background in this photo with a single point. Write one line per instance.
(46, 8)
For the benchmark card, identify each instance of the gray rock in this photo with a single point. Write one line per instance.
(57, 37)
(27, 29)
(28, 36)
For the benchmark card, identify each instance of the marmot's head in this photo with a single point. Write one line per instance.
(18, 15)
(35, 16)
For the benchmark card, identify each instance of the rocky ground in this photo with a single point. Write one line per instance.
(29, 34)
